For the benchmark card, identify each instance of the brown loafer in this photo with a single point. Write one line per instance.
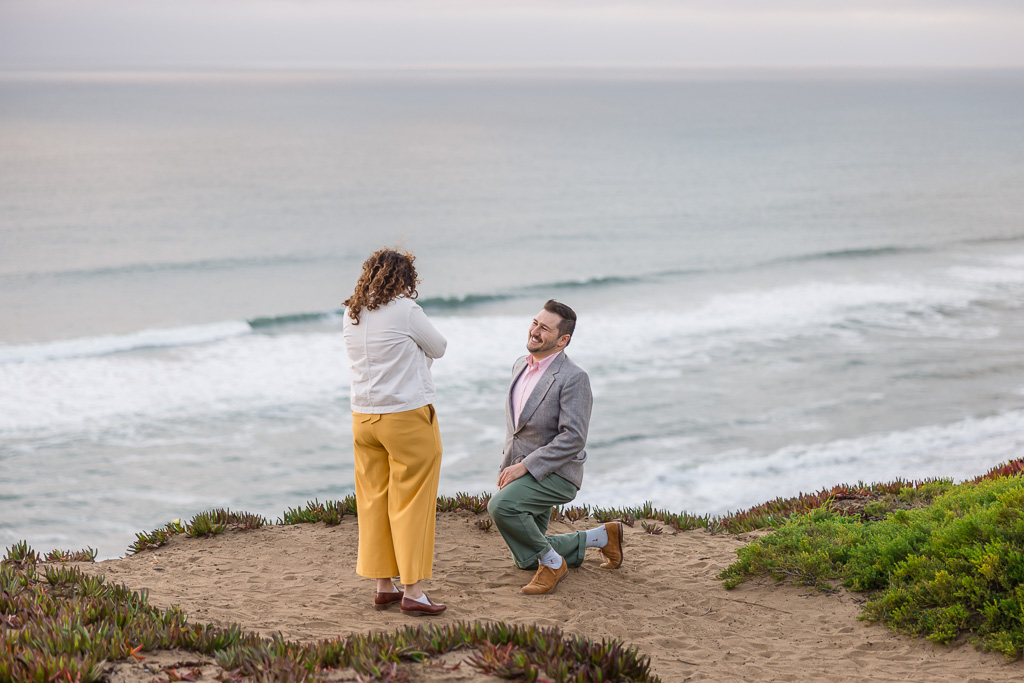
(385, 600)
(418, 609)
(545, 580)
(612, 551)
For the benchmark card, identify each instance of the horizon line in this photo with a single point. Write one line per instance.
(463, 71)
(497, 66)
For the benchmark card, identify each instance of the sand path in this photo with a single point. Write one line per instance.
(665, 600)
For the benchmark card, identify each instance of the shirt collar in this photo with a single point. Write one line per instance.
(541, 365)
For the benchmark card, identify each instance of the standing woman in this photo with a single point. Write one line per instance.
(397, 443)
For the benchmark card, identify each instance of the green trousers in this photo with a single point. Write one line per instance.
(521, 512)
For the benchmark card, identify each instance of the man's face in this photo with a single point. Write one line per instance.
(544, 339)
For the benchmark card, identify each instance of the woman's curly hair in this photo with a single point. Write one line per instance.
(387, 275)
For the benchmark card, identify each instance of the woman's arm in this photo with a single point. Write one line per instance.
(425, 334)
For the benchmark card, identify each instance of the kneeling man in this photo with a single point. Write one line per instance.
(547, 414)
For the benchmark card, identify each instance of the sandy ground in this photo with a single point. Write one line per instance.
(665, 600)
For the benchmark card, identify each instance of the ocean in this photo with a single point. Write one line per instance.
(785, 280)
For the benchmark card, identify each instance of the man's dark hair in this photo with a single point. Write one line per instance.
(568, 323)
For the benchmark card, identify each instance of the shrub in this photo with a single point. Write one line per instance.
(956, 566)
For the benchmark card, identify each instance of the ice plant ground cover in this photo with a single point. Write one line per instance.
(949, 568)
(58, 623)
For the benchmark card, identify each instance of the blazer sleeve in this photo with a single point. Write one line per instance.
(575, 403)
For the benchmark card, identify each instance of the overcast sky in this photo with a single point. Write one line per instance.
(371, 33)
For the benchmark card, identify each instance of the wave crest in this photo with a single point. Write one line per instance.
(118, 343)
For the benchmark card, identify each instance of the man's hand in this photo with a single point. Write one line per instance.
(510, 474)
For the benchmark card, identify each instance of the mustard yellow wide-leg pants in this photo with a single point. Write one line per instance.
(398, 462)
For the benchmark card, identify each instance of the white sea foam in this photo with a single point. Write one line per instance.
(1006, 273)
(717, 483)
(221, 368)
(242, 373)
(86, 347)
(239, 373)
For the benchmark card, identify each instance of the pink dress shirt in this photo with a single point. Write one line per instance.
(526, 383)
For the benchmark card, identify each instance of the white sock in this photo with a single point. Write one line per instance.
(394, 589)
(597, 537)
(423, 600)
(551, 559)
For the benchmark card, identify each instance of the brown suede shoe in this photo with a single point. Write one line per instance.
(418, 609)
(613, 549)
(545, 580)
(385, 600)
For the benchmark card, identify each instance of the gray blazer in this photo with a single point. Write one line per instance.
(552, 429)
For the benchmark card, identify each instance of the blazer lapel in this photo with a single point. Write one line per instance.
(517, 370)
(539, 391)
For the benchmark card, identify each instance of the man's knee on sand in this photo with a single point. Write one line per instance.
(501, 506)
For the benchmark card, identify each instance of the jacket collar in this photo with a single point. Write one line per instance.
(539, 391)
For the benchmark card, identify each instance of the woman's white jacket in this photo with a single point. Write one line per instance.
(390, 352)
